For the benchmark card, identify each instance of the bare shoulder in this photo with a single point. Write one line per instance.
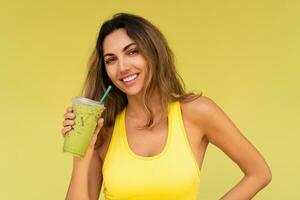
(213, 121)
(201, 109)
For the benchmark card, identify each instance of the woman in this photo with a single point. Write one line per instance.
(153, 135)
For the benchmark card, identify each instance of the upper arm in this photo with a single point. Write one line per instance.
(223, 133)
(95, 176)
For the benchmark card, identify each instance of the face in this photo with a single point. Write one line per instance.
(125, 65)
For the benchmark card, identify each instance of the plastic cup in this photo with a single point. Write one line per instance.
(87, 113)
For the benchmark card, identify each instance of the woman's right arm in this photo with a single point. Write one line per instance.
(86, 179)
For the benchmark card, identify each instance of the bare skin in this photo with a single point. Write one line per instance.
(203, 119)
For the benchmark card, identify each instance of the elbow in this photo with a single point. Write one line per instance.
(268, 177)
(265, 178)
(262, 179)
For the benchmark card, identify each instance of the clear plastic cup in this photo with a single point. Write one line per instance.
(87, 113)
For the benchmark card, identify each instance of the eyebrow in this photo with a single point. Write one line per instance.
(124, 49)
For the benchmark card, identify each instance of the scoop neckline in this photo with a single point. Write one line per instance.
(160, 154)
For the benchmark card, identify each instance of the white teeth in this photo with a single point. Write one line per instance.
(130, 78)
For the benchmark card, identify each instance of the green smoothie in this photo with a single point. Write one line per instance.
(87, 113)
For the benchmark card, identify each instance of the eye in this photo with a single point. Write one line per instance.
(134, 51)
(110, 60)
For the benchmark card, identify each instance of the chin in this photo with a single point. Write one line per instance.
(131, 90)
(133, 93)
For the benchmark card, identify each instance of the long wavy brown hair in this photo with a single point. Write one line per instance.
(161, 73)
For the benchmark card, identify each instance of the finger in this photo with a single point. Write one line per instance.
(69, 109)
(93, 140)
(68, 122)
(69, 115)
(100, 123)
(65, 130)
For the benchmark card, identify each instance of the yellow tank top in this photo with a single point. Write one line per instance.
(171, 174)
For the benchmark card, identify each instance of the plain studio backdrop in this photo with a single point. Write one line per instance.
(242, 54)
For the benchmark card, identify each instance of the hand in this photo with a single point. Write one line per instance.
(69, 117)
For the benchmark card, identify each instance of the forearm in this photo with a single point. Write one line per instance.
(78, 188)
(246, 188)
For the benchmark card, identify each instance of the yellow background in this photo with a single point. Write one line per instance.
(242, 54)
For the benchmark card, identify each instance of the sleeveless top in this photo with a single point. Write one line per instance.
(171, 174)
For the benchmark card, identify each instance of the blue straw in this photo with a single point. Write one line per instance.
(105, 94)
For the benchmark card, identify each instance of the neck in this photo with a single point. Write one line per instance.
(135, 108)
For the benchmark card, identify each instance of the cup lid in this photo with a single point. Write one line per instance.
(86, 101)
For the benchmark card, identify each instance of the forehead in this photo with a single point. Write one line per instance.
(116, 41)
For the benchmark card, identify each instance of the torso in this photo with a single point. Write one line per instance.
(149, 143)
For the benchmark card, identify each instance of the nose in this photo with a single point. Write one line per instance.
(123, 65)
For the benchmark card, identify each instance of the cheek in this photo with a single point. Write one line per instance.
(142, 63)
(110, 72)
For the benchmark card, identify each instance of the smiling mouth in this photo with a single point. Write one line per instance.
(130, 78)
